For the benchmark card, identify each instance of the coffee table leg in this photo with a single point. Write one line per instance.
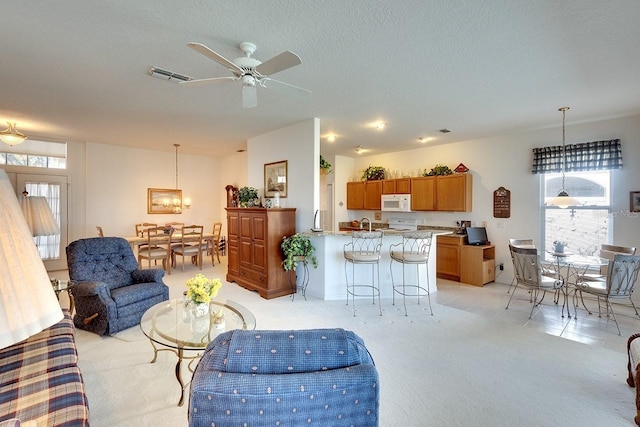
(155, 352)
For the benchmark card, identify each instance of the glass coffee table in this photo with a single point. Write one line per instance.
(173, 326)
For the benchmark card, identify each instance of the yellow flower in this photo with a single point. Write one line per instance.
(200, 289)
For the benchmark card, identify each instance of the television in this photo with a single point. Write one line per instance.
(477, 236)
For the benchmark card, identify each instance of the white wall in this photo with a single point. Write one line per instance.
(506, 161)
(299, 144)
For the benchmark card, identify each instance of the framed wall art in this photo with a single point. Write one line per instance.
(163, 201)
(275, 179)
(634, 201)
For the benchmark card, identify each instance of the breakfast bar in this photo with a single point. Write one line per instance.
(328, 281)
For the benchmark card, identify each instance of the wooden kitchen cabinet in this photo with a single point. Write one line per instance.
(478, 264)
(396, 186)
(364, 195)
(453, 192)
(255, 259)
(355, 195)
(448, 250)
(423, 193)
(372, 195)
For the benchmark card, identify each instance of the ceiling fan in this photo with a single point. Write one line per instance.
(251, 72)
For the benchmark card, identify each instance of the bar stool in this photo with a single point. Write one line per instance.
(413, 250)
(363, 249)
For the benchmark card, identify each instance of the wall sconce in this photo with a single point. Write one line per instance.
(11, 136)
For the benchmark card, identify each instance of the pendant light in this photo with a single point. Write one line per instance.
(11, 136)
(563, 200)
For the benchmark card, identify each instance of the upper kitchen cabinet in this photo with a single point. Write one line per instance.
(423, 193)
(453, 192)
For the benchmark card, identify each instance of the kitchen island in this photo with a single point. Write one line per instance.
(328, 281)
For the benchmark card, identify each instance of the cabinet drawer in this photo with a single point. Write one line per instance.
(254, 277)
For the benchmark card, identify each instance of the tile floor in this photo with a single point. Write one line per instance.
(491, 300)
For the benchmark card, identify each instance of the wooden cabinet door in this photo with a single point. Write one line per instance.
(372, 195)
(403, 186)
(448, 256)
(453, 193)
(423, 193)
(389, 186)
(232, 243)
(245, 237)
(355, 195)
(258, 243)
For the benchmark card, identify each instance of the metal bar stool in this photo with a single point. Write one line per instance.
(413, 250)
(364, 249)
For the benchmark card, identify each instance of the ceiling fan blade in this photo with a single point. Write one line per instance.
(197, 82)
(279, 63)
(249, 97)
(283, 87)
(200, 48)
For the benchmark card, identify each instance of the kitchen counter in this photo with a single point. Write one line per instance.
(327, 282)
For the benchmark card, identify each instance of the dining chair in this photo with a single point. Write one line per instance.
(412, 251)
(520, 243)
(364, 249)
(607, 252)
(189, 245)
(528, 270)
(142, 228)
(157, 247)
(622, 276)
(213, 245)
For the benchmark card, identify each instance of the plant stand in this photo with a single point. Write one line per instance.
(305, 278)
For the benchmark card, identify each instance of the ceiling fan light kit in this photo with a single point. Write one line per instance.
(251, 72)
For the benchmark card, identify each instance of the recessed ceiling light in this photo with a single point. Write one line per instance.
(360, 149)
(331, 138)
(424, 139)
(380, 125)
(445, 130)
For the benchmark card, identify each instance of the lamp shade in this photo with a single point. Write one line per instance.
(11, 136)
(38, 215)
(27, 301)
(563, 200)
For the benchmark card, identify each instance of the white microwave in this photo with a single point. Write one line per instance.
(396, 202)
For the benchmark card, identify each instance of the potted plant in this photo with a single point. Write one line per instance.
(247, 196)
(325, 167)
(297, 248)
(438, 169)
(373, 173)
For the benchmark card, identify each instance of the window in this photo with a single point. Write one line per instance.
(585, 227)
(37, 154)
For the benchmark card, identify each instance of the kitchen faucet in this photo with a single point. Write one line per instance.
(368, 222)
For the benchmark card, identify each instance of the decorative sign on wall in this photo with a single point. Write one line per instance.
(502, 203)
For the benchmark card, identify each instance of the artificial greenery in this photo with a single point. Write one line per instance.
(438, 170)
(295, 246)
(373, 173)
(324, 165)
(246, 194)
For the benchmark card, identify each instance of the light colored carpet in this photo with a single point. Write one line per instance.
(451, 369)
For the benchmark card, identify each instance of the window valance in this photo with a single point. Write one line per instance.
(586, 156)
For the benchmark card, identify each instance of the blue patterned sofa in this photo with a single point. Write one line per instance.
(322, 377)
(109, 291)
(40, 382)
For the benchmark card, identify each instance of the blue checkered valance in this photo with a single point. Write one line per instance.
(587, 156)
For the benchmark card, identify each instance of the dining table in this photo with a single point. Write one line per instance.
(571, 267)
(136, 241)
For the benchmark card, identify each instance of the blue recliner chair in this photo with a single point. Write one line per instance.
(321, 377)
(110, 292)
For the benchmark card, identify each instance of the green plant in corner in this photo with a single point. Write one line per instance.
(297, 248)
(373, 173)
(324, 165)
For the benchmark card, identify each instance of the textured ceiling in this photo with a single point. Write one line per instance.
(78, 70)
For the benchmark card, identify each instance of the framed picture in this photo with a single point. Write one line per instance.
(635, 201)
(275, 179)
(164, 201)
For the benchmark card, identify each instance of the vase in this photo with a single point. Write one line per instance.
(199, 309)
(558, 248)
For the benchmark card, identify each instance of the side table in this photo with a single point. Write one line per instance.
(63, 285)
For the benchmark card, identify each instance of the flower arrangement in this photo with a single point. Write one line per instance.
(200, 289)
(247, 194)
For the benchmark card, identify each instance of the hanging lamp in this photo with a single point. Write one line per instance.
(11, 136)
(563, 200)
